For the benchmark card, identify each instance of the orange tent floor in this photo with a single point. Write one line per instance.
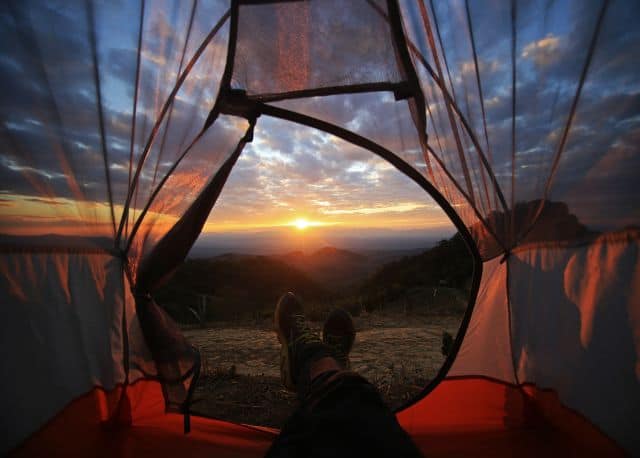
(155, 434)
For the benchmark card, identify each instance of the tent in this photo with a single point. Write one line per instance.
(121, 121)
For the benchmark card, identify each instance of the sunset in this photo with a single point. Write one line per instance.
(316, 182)
(324, 190)
(325, 228)
(302, 224)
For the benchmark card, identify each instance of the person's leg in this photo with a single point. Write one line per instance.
(340, 412)
(300, 346)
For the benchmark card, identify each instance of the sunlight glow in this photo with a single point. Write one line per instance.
(301, 224)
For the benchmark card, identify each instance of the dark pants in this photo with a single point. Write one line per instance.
(343, 416)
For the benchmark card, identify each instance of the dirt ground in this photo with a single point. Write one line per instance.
(240, 374)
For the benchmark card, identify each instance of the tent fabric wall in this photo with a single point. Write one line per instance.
(63, 338)
(579, 334)
(97, 178)
(520, 118)
(463, 416)
(576, 334)
(485, 349)
(478, 416)
(147, 431)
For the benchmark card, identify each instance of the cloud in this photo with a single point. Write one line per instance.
(544, 51)
(397, 208)
(48, 201)
(485, 67)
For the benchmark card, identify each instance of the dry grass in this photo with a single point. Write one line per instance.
(262, 400)
(247, 389)
(251, 399)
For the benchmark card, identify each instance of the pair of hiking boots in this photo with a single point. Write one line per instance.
(296, 338)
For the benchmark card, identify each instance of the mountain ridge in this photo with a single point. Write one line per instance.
(232, 285)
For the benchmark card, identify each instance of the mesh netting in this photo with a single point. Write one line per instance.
(527, 93)
(312, 45)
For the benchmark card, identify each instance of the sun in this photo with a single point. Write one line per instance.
(301, 224)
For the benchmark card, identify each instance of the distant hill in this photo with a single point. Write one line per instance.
(448, 264)
(241, 286)
(235, 285)
(332, 267)
(276, 241)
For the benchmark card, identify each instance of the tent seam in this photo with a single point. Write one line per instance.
(509, 321)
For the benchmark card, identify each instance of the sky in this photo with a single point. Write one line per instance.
(322, 191)
(321, 180)
(71, 144)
